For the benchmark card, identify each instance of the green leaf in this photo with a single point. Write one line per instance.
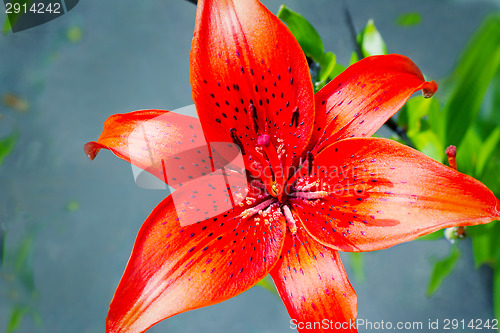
(486, 150)
(354, 58)
(74, 34)
(370, 40)
(327, 66)
(304, 32)
(490, 174)
(437, 121)
(358, 266)
(442, 269)
(478, 66)
(16, 317)
(267, 283)
(485, 246)
(23, 254)
(397, 138)
(468, 150)
(409, 19)
(327, 63)
(3, 239)
(495, 104)
(72, 206)
(434, 236)
(6, 25)
(14, 17)
(7, 144)
(336, 71)
(428, 143)
(23, 263)
(481, 249)
(421, 117)
(403, 117)
(417, 108)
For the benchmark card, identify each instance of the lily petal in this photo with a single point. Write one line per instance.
(382, 193)
(250, 77)
(363, 97)
(313, 284)
(170, 146)
(174, 269)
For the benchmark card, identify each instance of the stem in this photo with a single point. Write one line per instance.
(393, 126)
(460, 231)
(357, 48)
(352, 30)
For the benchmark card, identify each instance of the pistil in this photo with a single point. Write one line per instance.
(269, 152)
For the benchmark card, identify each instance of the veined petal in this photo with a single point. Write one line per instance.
(313, 284)
(176, 268)
(249, 76)
(170, 146)
(363, 97)
(382, 193)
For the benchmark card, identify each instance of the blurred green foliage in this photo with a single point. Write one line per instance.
(467, 115)
(442, 268)
(370, 41)
(18, 279)
(322, 64)
(7, 144)
(13, 17)
(409, 19)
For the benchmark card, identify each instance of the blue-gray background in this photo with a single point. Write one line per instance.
(134, 55)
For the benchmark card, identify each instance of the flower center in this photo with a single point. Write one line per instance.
(277, 192)
(273, 180)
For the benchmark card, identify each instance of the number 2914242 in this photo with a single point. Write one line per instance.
(35, 8)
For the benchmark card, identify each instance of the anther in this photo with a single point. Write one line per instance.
(295, 116)
(253, 112)
(236, 140)
(310, 160)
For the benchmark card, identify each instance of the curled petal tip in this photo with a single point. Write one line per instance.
(91, 150)
(429, 89)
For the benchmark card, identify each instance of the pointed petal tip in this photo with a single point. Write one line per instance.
(429, 89)
(91, 149)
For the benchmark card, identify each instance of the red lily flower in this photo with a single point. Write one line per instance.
(318, 183)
